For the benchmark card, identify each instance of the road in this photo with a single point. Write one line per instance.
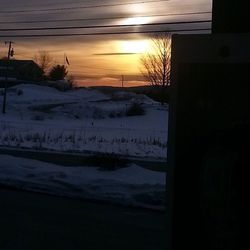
(31, 221)
(84, 158)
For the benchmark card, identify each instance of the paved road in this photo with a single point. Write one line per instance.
(30, 221)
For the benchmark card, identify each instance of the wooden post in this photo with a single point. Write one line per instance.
(208, 140)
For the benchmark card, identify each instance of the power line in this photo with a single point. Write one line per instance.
(108, 18)
(106, 26)
(45, 4)
(81, 7)
(107, 33)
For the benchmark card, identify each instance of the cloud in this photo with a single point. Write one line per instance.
(110, 80)
(114, 54)
(129, 77)
(99, 52)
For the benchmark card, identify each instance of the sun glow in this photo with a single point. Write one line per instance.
(135, 20)
(135, 46)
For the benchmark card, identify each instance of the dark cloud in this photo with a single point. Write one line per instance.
(114, 54)
(91, 13)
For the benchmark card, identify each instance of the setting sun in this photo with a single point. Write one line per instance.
(101, 40)
(135, 20)
(137, 46)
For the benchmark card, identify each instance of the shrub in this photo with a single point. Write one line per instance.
(19, 92)
(38, 117)
(58, 72)
(61, 85)
(106, 162)
(71, 81)
(135, 109)
(116, 113)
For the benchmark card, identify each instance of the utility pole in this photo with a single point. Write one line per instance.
(10, 54)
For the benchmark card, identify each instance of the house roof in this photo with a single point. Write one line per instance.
(16, 63)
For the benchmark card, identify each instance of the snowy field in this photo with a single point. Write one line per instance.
(41, 117)
(130, 186)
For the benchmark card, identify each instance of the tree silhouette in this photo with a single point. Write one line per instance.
(58, 72)
(156, 64)
(44, 60)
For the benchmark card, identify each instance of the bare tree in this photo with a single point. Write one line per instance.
(44, 60)
(156, 63)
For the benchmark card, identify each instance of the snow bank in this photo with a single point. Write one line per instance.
(35, 93)
(132, 186)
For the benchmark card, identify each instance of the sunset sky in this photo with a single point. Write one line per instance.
(95, 59)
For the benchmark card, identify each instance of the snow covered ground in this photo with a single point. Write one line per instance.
(131, 186)
(42, 117)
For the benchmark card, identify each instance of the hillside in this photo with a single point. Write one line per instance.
(42, 117)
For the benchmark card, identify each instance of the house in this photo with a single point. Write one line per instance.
(20, 70)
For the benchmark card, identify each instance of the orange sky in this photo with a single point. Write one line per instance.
(96, 60)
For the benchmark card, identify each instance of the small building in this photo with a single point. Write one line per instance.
(20, 70)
